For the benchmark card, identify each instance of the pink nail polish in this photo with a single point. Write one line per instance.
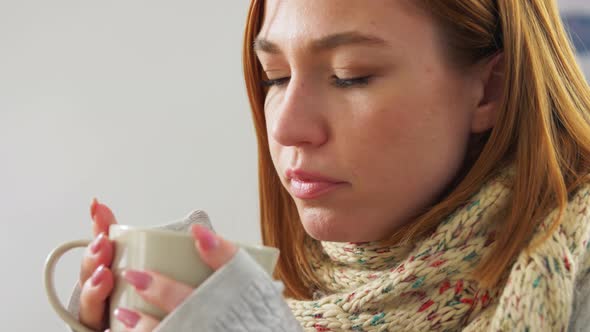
(127, 317)
(207, 240)
(140, 280)
(93, 207)
(98, 275)
(97, 243)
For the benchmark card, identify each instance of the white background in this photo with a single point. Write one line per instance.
(139, 103)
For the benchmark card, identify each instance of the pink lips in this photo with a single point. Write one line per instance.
(306, 185)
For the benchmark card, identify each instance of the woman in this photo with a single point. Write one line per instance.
(423, 165)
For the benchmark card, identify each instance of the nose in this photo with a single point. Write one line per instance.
(296, 118)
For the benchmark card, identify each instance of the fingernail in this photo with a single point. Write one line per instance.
(127, 317)
(207, 240)
(97, 243)
(98, 275)
(93, 207)
(140, 280)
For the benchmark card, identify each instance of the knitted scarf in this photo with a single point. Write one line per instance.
(426, 287)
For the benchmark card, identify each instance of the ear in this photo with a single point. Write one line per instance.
(491, 77)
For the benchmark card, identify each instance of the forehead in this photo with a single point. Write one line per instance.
(290, 20)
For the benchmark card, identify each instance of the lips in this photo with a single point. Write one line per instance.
(298, 174)
(307, 185)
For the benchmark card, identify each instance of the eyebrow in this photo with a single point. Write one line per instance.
(329, 42)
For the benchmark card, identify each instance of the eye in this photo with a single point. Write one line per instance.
(275, 82)
(351, 82)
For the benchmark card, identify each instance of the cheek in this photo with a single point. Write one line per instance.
(276, 150)
(273, 146)
(414, 134)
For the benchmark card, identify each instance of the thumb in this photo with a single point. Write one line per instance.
(214, 250)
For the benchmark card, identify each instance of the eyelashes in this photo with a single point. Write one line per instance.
(336, 81)
(351, 82)
(275, 82)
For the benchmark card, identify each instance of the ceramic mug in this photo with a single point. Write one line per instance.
(171, 253)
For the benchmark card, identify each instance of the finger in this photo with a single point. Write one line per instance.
(93, 298)
(136, 321)
(214, 250)
(102, 217)
(99, 252)
(158, 289)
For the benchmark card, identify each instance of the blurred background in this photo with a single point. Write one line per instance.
(576, 16)
(138, 103)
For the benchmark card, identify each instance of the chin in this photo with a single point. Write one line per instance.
(324, 226)
(326, 237)
(337, 225)
(321, 234)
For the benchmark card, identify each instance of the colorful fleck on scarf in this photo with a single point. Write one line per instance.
(426, 287)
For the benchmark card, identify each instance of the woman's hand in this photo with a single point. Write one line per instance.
(96, 279)
(166, 293)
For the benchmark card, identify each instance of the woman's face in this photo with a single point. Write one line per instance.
(361, 92)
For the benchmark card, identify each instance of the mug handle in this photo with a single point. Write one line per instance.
(48, 279)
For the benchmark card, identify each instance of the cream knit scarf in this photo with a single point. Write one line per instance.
(425, 287)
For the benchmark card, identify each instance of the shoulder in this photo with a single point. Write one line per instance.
(575, 223)
(575, 231)
(580, 315)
